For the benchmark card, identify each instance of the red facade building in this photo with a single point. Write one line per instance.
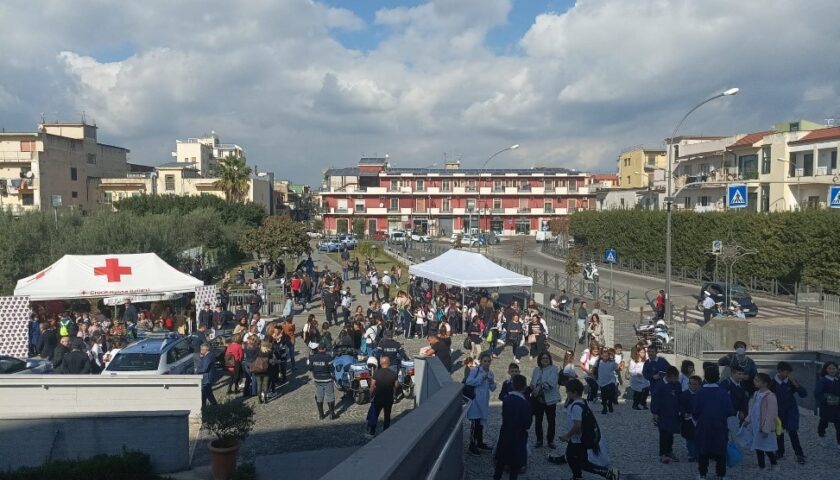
(441, 201)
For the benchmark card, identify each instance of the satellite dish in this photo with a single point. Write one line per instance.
(29, 174)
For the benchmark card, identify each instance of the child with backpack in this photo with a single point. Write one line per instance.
(786, 389)
(666, 413)
(583, 435)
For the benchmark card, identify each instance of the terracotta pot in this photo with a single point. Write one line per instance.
(223, 459)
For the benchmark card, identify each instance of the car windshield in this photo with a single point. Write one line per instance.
(737, 292)
(134, 362)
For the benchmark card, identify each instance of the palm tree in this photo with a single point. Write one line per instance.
(233, 178)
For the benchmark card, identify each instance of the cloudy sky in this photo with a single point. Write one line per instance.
(304, 85)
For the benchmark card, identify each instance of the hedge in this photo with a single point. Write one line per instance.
(791, 247)
(128, 466)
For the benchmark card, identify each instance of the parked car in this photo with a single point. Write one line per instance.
(328, 246)
(490, 238)
(454, 238)
(18, 366)
(378, 236)
(398, 236)
(163, 355)
(349, 241)
(315, 234)
(737, 293)
(420, 237)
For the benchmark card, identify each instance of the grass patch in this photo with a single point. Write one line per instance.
(382, 261)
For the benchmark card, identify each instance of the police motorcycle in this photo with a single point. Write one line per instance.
(590, 271)
(655, 335)
(405, 374)
(351, 376)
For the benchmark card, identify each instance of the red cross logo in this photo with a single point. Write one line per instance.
(41, 274)
(112, 270)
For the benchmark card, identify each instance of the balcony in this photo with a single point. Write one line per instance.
(499, 189)
(447, 189)
(393, 210)
(470, 188)
(497, 210)
(360, 209)
(523, 210)
(393, 188)
(523, 188)
(341, 210)
(420, 189)
(15, 156)
(446, 210)
(548, 209)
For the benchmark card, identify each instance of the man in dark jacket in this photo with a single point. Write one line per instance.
(61, 351)
(47, 341)
(205, 368)
(205, 316)
(511, 449)
(76, 362)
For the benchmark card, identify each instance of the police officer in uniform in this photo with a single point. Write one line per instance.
(392, 349)
(321, 368)
(329, 298)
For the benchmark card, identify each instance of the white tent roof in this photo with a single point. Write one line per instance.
(467, 269)
(90, 276)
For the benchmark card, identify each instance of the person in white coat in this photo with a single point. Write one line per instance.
(545, 394)
(638, 383)
(481, 378)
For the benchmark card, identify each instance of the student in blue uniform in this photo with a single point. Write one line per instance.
(712, 407)
(686, 409)
(734, 386)
(827, 394)
(513, 436)
(666, 410)
(507, 385)
(786, 388)
(654, 369)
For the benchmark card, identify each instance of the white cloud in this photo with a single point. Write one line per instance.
(272, 75)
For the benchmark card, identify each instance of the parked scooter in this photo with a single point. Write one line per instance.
(406, 378)
(590, 271)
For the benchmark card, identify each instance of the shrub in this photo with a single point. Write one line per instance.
(127, 466)
(229, 421)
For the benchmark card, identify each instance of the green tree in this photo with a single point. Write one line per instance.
(359, 227)
(233, 176)
(248, 213)
(276, 238)
(573, 263)
(318, 225)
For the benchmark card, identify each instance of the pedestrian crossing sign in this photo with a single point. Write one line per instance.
(610, 256)
(834, 196)
(736, 196)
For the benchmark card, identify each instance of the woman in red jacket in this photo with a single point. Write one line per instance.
(233, 362)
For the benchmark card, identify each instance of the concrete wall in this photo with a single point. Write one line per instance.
(37, 396)
(412, 445)
(64, 435)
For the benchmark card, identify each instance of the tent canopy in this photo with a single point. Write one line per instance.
(467, 269)
(92, 276)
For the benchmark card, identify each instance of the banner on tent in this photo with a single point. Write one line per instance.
(206, 293)
(14, 326)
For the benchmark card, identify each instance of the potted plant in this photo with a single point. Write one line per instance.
(230, 422)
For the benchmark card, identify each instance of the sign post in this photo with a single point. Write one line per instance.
(611, 257)
(736, 195)
(834, 196)
(717, 247)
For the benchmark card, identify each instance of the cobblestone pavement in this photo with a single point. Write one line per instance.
(289, 422)
(632, 442)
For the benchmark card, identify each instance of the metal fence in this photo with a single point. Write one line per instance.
(772, 287)
(274, 301)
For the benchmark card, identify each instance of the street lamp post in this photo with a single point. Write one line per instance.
(669, 200)
(478, 183)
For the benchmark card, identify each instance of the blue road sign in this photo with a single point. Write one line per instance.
(736, 196)
(610, 256)
(834, 196)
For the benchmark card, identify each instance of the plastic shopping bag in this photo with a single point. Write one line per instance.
(733, 456)
(744, 437)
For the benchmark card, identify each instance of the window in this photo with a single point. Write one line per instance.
(394, 205)
(765, 197)
(548, 206)
(573, 184)
(572, 204)
(470, 204)
(108, 197)
(687, 203)
(421, 185)
(179, 351)
(499, 186)
(808, 165)
(765, 159)
(27, 145)
(74, 194)
(395, 185)
(792, 165)
(27, 199)
(447, 204)
(169, 183)
(497, 204)
(73, 174)
(91, 159)
(704, 201)
(813, 202)
(794, 126)
(470, 185)
(833, 166)
(748, 166)
(447, 186)
(523, 205)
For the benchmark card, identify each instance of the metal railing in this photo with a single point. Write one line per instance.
(772, 287)
(450, 442)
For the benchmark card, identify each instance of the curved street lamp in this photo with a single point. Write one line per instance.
(478, 183)
(669, 198)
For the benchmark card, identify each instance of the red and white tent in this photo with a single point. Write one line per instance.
(91, 276)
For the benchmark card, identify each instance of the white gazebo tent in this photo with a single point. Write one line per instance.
(94, 276)
(467, 269)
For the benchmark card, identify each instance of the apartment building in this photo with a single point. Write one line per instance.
(58, 165)
(636, 163)
(205, 152)
(178, 178)
(440, 201)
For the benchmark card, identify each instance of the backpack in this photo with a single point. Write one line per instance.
(590, 433)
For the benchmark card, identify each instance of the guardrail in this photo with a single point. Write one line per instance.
(771, 287)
